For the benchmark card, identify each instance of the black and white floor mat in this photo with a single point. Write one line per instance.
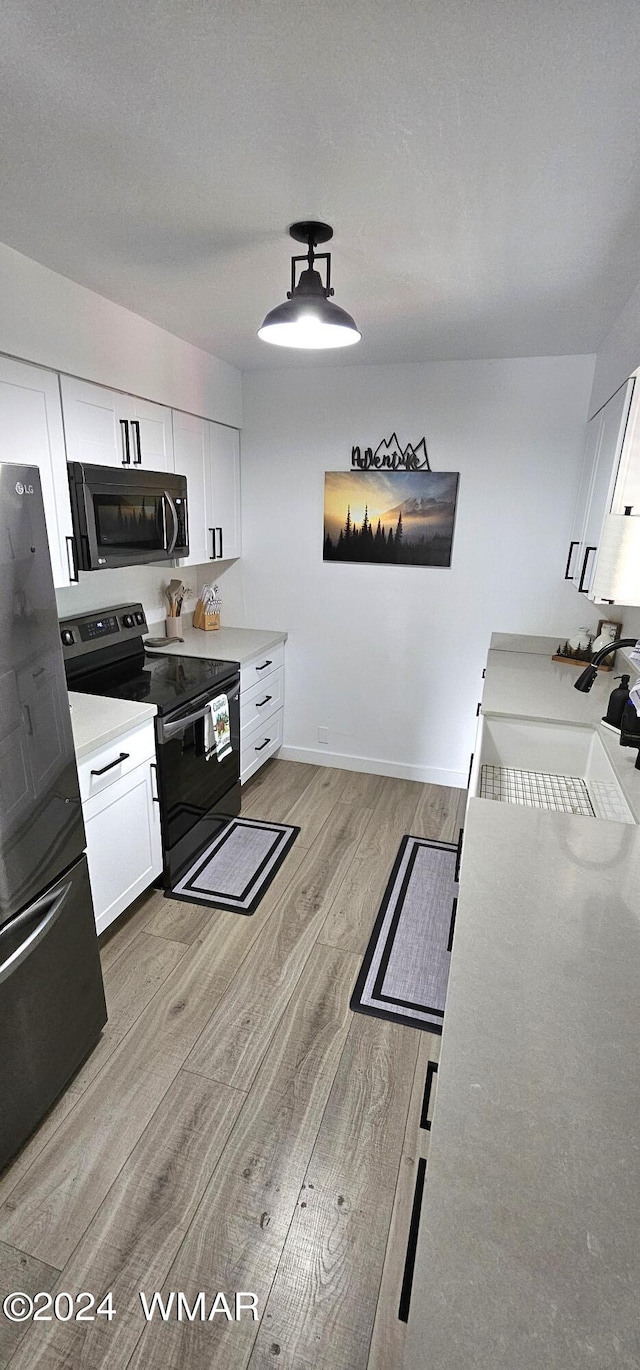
(236, 869)
(405, 970)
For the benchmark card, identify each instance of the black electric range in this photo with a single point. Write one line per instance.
(104, 655)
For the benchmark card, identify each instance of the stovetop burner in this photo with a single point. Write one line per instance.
(104, 655)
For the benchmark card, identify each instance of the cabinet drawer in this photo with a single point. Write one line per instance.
(259, 743)
(261, 701)
(259, 667)
(127, 752)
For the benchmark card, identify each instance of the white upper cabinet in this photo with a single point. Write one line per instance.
(192, 459)
(208, 454)
(106, 428)
(611, 474)
(31, 433)
(225, 511)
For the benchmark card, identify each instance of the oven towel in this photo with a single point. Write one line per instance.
(217, 729)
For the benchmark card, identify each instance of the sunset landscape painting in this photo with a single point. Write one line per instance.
(394, 518)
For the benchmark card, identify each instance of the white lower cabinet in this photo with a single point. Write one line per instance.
(122, 822)
(261, 710)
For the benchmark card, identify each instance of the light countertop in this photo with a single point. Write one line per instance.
(528, 1252)
(97, 720)
(225, 644)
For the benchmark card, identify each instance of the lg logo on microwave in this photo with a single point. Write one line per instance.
(23, 489)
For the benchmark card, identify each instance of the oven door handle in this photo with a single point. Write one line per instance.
(169, 730)
(176, 526)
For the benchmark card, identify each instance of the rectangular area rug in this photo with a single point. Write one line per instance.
(405, 969)
(235, 870)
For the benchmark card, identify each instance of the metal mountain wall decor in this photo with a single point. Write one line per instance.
(390, 456)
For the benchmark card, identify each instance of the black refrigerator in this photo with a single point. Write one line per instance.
(52, 1006)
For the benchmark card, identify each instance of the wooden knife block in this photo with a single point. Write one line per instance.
(208, 622)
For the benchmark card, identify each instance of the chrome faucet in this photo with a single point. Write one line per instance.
(630, 730)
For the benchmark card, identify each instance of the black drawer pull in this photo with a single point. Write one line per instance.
(568, 575)
(432, 1069)
(452, 925)
(581, 587)
(124, 756)
(456, 873)
(262, 745)
(470, 769)
(478, 708)
(264, 701)
(264, 666)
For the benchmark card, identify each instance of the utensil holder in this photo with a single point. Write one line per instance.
(173, 626)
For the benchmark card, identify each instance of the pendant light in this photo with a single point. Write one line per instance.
(308, 318)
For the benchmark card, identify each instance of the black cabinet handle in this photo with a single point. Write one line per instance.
(452, 925)
(458, 857)
(71, 560)
(582, 587)
(126, 445)
(568, 575)
(264, 666)
(470, 769)
(220, 553)
(264, 701)
(478, 708)
(135, 424)
(262, 745)
(432, 1069)
(153, 767)
(213, 544)
(124, 756)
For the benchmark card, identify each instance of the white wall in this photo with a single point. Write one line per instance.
(619, 354)
(390, 658)
(46, 318)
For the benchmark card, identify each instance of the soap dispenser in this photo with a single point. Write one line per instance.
(617, 700)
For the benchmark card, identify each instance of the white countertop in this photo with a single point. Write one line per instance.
(224, 644)
(97, 720)
(528, 1252)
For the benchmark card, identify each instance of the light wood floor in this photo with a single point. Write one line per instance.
(237, 1127)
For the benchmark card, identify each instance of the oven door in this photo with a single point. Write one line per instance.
(196, 795)
(127, 518)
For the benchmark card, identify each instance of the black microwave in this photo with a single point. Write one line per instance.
(126, 518)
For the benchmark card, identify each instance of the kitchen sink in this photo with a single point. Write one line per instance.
(546, 766)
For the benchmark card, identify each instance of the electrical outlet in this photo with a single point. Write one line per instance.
(323, 736)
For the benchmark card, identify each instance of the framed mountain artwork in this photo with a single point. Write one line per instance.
(390, 517)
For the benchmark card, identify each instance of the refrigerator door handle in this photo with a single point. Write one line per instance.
(49, 909)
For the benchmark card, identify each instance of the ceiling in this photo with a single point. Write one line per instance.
(478, 160)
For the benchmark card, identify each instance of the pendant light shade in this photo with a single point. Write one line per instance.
(308, 318)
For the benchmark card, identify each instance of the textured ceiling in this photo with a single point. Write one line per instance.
(478, 160)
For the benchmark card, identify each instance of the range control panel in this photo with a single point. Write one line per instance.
(87, 632)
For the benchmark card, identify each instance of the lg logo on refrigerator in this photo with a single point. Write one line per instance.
(23, 489)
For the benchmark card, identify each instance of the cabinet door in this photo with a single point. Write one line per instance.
(613, 423)
(124, 849)
(225, 491)
(31, 433)
(106, 428)
(92, 428)
(575, 553)
(192, 459)
(151, 432)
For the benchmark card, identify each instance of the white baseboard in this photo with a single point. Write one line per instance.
(429, 775)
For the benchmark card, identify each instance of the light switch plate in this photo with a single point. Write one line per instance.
(323, 736)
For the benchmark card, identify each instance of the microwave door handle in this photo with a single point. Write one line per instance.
(176, 527)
